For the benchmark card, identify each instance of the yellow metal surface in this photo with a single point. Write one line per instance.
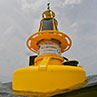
(48, 14)
(49, 94)
(49, 59)
(65, 41)
(35, 79)
(48, 75)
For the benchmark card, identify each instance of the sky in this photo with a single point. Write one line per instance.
(20, 18)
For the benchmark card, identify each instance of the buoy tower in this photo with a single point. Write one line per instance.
(50, 72)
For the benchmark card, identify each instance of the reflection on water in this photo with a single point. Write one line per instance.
(48, 94)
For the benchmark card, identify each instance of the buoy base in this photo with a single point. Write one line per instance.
(48, 78)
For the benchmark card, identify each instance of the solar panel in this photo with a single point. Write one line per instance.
(47, 24)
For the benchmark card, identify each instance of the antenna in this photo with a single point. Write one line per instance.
(48, 6)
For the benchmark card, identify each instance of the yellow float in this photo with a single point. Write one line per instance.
(50, 72)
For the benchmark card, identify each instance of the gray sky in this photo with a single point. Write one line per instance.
(20, 18)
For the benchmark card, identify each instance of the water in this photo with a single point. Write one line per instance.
(86, 91)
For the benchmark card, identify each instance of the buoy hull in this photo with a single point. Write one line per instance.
(47, 79)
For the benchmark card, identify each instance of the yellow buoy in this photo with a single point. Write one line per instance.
(50, 72)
